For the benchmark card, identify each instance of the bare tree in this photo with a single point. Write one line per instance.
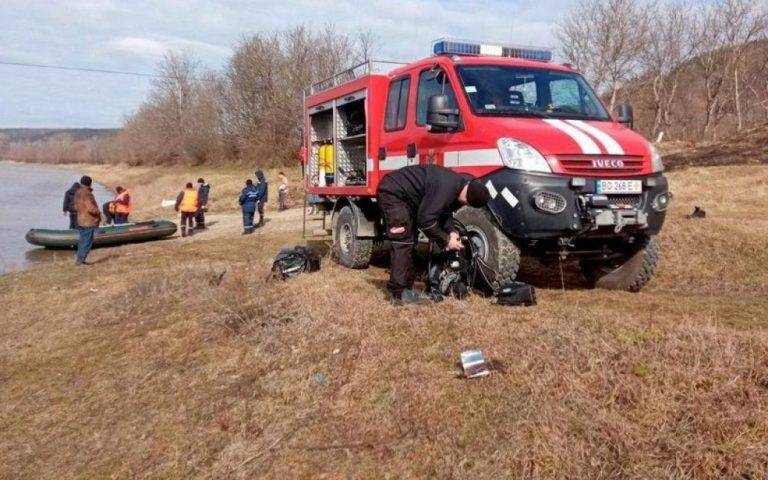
(180, 119)
(604, 40)
(720, 36)
(264, 84)
(666, 51)
(366, 45)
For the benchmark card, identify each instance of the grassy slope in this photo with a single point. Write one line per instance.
(141, 366)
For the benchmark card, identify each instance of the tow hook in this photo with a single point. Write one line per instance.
(565, 243)
(619, 219)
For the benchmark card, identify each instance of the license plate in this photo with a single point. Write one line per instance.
(608, 187)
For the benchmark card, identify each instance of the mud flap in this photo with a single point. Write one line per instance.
(622, 277)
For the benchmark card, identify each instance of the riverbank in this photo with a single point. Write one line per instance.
(176, 359)
(31, 197)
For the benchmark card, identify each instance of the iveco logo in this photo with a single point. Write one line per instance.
(607, 163)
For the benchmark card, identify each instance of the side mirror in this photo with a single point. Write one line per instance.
(625, 115)
(440, 117)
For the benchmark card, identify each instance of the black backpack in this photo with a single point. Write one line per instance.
(291, 262)
(516, 293)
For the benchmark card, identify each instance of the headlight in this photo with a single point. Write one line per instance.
(521, 156)
(657, 165)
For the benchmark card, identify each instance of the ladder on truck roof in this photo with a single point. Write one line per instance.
(360, 70)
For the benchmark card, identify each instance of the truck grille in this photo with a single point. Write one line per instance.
(633, 201)
(585, 165)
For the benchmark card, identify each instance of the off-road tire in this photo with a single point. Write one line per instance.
(502, 255)
(348, 249)
(631, 273)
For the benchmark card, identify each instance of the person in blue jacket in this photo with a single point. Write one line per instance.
(249, 200)
(263, 189)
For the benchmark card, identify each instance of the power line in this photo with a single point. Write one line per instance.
(94, 70)
(79, 69)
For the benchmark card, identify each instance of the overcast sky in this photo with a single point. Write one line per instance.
(133, 35)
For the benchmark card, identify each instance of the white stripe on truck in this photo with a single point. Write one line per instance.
(491, 189)
(451, 159)
(485, 157)
(610, 144)
(509, 197)
(397, 161)
(585, 143)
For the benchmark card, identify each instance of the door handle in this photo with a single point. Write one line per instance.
(411, 150)
(382, 153)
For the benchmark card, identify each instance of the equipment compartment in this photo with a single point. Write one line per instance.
(321, 131)
(351, 127)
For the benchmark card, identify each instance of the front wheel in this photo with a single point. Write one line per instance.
(349, 250)
(492, 245)
(631, 272)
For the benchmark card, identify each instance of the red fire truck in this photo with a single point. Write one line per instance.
(567, 178)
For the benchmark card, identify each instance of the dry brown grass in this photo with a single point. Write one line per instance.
(141, 366)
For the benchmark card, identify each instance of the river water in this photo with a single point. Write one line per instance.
(31, 196)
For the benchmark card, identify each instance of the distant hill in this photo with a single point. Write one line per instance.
(42, 134)
(687, 112)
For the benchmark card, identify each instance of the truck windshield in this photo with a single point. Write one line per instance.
(512, 91)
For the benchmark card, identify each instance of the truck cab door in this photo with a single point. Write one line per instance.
(395, 150)
(432, 147)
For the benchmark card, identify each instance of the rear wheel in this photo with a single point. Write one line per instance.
(631, 272)
(351, 251)
(492, 245)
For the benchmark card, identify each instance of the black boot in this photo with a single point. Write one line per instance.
(410, 297)
(183, 231)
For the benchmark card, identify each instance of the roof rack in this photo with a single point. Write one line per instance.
(352, 73)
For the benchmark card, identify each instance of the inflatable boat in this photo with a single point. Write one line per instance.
(107, 235)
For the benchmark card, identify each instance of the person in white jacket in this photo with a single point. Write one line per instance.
(282, 192)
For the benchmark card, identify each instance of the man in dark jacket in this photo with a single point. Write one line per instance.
(422, 197)
(263, 191)
(203, 190)
(88, 218)
(249, 200)
(69, 205)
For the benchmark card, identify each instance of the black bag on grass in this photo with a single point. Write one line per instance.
(516, 293)
(291, 262)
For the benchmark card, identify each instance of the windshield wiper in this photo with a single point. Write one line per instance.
(515, 113)
(577, 116)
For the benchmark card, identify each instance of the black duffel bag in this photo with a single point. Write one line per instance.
(291, 262)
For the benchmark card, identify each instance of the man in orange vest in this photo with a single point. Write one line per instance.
(188, 202)
(122, 205)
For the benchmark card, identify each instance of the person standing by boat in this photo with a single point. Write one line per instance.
(187, 202)
(263, 190)
(203, 190)
(88, 218)
(69, 205)
(249, 201)
(122, 205)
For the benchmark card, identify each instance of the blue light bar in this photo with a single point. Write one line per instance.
(446, 46)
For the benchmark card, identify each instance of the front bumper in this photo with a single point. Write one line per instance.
(514, 207)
